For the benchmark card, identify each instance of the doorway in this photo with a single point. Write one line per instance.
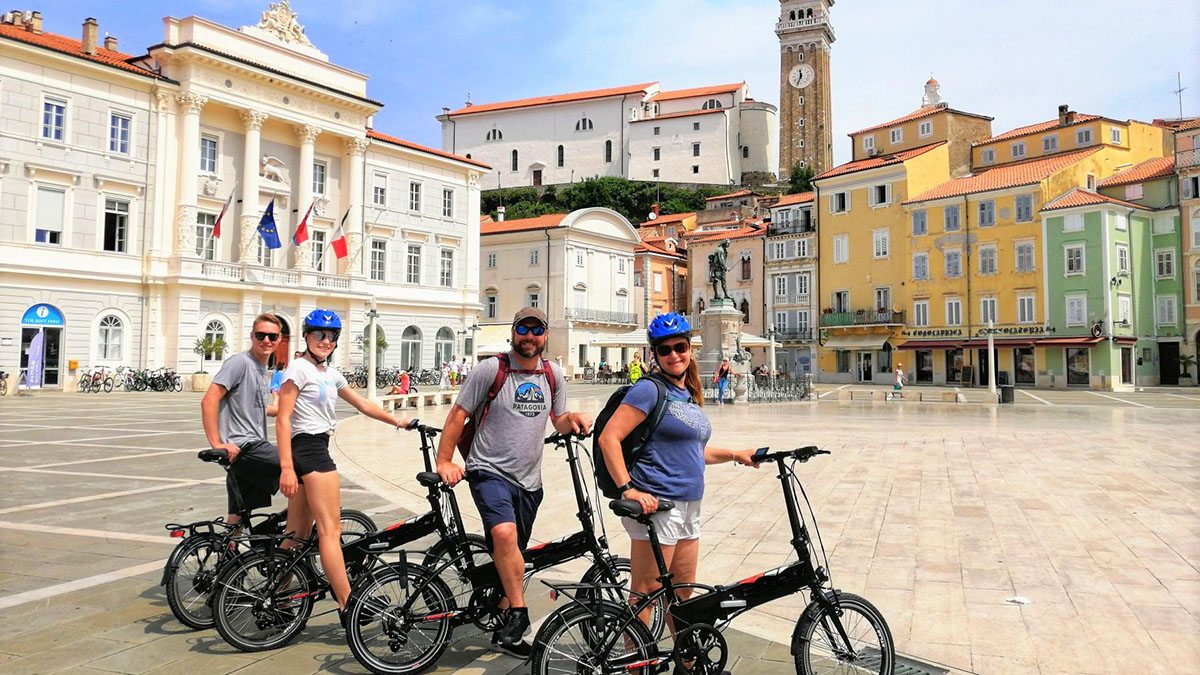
(1168, 363)
(981, 366)
(50, 347)
(283, 352)
(864, 367)
(537, 177)
(1024, 365)
(1126, 365)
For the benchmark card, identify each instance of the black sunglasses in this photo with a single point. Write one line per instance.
(678, 348)
(526, 330)
(331, 335)
(260, 335)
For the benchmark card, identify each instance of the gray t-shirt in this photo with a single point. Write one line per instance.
(509, 443)
(242, 412)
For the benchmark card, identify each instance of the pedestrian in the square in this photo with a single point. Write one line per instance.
(721, 379)
(901, 380)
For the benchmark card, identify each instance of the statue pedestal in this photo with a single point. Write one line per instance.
(720, 326)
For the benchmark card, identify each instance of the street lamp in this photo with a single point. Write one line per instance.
(372, 336)
(771, 337)
(472, 329)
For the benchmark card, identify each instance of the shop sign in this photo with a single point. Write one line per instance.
(42, 315)
(1015, 330)
(932, 332)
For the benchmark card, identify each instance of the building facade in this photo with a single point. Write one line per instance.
(1187, 164)
(660, 269)
(744, 280)
(805, 109)
(792, 275)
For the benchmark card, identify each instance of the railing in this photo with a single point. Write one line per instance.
(792, 299)
(333, 283)
(790, 228)
(599, 316)
(793, 335)
(803, 23)
(1187, 158)
(279, 277)
(862, 317)
(220, 270)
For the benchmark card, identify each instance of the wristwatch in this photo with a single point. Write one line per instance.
(626, 488)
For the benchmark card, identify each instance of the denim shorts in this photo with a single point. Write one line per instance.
(500, 501)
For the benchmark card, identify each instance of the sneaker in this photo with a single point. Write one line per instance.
(514, 628)
(520, 650)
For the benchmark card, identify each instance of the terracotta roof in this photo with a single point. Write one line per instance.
(697, 91)
(1150, 169)
(371, 133)
(917, 114)
(664, 218)
(798, 198)
(1081, 197)
(878, 161)
(747, 232)
(1005, 176)
(556, 98)
(65, 45)
(731, 195)
(650, 247)
(688, 113)
(1188, 126)
(485, 218)
(546, 222)
(1035, 128)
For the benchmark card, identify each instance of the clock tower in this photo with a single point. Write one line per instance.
(805, 113)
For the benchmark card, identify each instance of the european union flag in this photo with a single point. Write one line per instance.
(266, 227)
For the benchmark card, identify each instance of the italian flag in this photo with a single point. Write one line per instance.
(221, 215)
(339, 238)
(301, 234)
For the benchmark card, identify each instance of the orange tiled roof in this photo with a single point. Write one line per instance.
(754, 229)
(65, 45)
(1081, 197)
(1035, 128)
(650, 247)
(697, 91)
(1005, 176)
(1159, 167)
(546, 222)
(917, 114)
(668, 218)
(791, 200)
(731, 195)
(556, 98)
(1188, 126)
(686, 113)
(878, 161)
(371, 133)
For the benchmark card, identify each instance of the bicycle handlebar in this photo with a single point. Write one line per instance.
(557, 437)
(799, 454)
(214, 455)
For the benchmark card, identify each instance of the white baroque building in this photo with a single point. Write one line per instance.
(710, 135)
(114, 168)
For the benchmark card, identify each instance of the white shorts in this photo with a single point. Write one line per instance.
(681, 522)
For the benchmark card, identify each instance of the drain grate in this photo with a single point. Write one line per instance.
(906, 665)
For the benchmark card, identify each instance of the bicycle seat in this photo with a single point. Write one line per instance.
(429, 479)
(632, 509)
(213, 455)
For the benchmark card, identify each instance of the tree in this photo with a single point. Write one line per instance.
(800, 179)
(207, 346)
(1187, 361)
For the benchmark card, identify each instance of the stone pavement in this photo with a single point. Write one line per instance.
(939, 514)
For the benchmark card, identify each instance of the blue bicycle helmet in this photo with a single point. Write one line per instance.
(667, 326)
(322, 319)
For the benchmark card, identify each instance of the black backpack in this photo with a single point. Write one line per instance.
(634, 443)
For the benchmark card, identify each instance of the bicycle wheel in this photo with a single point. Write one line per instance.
(570, 641)
(108, 385)
(4, 387)
(624, 574)
(355, 524)
(819, 647)
(176, 384)
(452, 576)
(399, 625)
(254, 609)
(190, 580)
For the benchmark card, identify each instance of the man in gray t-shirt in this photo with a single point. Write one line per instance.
(504, 465)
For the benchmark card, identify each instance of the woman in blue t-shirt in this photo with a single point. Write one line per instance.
(672, 463)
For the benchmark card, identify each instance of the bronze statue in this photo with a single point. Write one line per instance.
(718, 265)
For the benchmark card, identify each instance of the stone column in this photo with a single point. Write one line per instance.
(185, 212)
(303, 184)
(352, 166)
(250, 162)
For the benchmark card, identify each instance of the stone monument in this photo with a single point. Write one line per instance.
(721, 327)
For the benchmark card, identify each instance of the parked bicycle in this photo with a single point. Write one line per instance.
(3, 383)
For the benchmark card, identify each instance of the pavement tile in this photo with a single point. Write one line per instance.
(66, 657)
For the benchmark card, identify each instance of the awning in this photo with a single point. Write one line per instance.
(493, 340)
(931, 344)
(751, 341)
(1126, 340)
(982, 343)
(848, 342)
(1069, 342)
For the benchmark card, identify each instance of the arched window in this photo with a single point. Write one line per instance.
(215, 330)
(514, 160)
(622, 301)
(410, 348)
(608, 151)
(108, 342)
(885, 359)
(561, 156)
(443, 347)
(584, 124)
(1196, 279)
(792, 15)
(495, 135)
(580, 295)
(745, 307)
(380, 347)
(808, 13)
(711, 104)
(468, 155)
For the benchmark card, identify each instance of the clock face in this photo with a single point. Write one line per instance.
(801, 76)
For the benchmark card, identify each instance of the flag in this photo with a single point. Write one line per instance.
(301, 235)
(266, 227)
(339, 237)
(217, 225)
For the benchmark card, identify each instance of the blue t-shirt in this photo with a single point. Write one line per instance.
(276, 381)
(672, 463)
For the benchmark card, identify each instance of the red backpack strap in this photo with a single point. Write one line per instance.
(502, 371)
(548, 372)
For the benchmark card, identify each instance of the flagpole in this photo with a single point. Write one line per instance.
(362, 244)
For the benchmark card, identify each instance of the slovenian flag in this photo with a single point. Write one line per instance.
(339, 238)
(221, 215)
(301, 235)
(266, 227)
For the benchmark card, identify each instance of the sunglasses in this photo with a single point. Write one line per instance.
(260, 335)
(331, 335)
(678, 348)
(538, 331)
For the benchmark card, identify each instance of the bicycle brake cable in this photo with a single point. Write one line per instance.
(813, 517)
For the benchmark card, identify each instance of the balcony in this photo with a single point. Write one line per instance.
(863, 317)
(804, 23)
(599, 316)
(1186, 159)
(790, 228)
(220, 270)
(794, 335)
(792, 299)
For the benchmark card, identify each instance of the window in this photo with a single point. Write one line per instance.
(954, 312)
(214, 330)
(1025, 309)
(841, 248)
(116, 224)
(1024, 205)
(1124, 309)
(562, 156)
(580, 257)
(443, 346)
(534, 257)
(1134, 191)
(494, 135)
(414, 197)
(950, 219)
(491, 261)
(987, 310)
(883, 298)
(803, 283)
(447, 203)
(695, 149)
(987, 259)
(378, 260)
(318, 250)
(695, 168)
(654, 173)
(1122, 259)
(1196, 283)
(108, 341)
(781, 322)
(205, 244)
(988, 156)
(841, 301)
(658, 282)
(620, 266)
(880, 194)
(919, 223)
(1091, 181)
(897, 136)
(781, 286)
(695, 126)
(987, 213)
(880, 241)
(1073, 222)
(1076, 310)
(410, 348)
(920, 313)
(264, 253)
(745, 152)
(657, 131)
(118, 133)
(925, 130)
(1164, 263)
(622, 302)
(446, 273)
(584, 124)
(489, 304)
(800, 122)
(1164, 314)
(533, 299)
(747, 270)
(1189, 187)
(843, 361)
(868, 142)
(1018, 150)
(54, 119)
(1024, 254)
(920, 265)
(51, 205)
(953, 263)
(1074, 259)
(513, 163)
(1083, 137)
(208, 154)
(412, 272)
(1115, 136)
(802, 248)
(379, 193)
(318, 186)
(839, 202)
(711, 104)
(657, 154)
(608, 152)
(1049, 143)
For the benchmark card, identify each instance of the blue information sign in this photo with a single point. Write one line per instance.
(42, 314)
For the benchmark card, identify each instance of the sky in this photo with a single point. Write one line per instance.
(1014, 60)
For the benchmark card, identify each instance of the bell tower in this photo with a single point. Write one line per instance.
(805, 112)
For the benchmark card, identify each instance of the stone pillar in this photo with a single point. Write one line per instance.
(352, 166)
(720, 328)
(250, 162)
(185, 214)
(303, 184)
